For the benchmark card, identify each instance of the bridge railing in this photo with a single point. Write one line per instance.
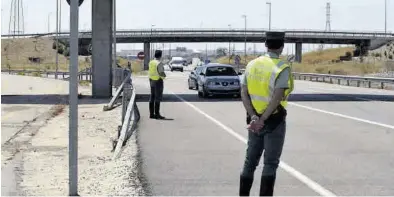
(223, 31)
(370, 82)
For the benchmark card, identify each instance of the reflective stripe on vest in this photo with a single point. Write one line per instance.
(153, 74)
(261, 75)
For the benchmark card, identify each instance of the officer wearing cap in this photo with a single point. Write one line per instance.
(156, 77)
(266, 85)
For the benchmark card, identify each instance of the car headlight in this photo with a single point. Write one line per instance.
(236, 83)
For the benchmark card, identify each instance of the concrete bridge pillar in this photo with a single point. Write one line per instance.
(298, 52)
(147, 55)
(102, 48)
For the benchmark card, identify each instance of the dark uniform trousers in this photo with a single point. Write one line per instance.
(269, 141)
(156, 95)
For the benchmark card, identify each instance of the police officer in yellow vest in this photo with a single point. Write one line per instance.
(266, 85)
(156, 77)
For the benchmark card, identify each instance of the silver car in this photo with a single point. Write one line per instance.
(218, 79)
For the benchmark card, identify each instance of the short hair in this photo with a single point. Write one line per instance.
(158, 53)
(274, 44)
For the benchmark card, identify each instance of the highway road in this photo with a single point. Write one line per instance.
(340, 141)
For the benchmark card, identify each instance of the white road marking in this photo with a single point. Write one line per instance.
(304, 179)
(343, 116)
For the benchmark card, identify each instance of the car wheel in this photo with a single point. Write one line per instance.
(204, 93)
(172, 70)
(200, 94)
(188, 83)
(195, 84)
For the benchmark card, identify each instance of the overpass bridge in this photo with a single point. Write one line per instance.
(102, 39)
(363, 40)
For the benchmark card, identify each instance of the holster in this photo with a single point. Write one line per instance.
(273, 121)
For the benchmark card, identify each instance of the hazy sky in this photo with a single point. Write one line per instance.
(358, 15)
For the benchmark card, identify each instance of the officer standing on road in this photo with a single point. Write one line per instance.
(156, 77)
(266, 85)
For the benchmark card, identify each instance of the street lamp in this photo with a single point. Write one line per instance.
(229, 43)
(151, 45)
(269, 20)
(245, 17)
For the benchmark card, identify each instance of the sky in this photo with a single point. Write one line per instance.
(348, 15)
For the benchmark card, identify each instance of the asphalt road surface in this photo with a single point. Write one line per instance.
(340, 141)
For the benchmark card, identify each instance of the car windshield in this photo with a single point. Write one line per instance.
(177, 62)
(220, 71)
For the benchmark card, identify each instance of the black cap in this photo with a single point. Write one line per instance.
(158, 53)
(275, 35)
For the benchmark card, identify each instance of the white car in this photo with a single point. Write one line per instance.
(176, 65)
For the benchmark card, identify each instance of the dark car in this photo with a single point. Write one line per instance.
(218, 79)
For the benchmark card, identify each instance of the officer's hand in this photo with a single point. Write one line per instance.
(255, 126)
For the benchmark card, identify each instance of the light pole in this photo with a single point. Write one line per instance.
(57, 38)
(244, 16)
(229, 45)
(385, 16)
(49, 15)
(114, 32)
(269, 18)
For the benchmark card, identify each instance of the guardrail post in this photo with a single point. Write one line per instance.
(348, 82)
(369, 84)
(63, 75)
(339, 81)
(126, 96)
(382, 85)
(358, 83)
(330, 80)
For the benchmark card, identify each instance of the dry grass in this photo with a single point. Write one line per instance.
(15, 54)
(344, 68)
(320, 62)
(324, 56)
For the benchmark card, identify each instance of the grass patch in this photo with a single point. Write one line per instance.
(18, 54)
(84, 83)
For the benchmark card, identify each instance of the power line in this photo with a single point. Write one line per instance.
(17, 22)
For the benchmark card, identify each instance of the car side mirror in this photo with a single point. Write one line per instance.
(239, 73)
(202, 74)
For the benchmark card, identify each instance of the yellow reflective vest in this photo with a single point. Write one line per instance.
(153, 73)
(261, 75)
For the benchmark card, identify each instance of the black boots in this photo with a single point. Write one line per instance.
(267, 185)
(245, 185)
(154, 110)
(157, 111)
(151, 110)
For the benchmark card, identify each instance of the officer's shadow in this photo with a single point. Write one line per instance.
(165, 118)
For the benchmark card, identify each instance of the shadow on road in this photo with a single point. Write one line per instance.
(48, 99)
(293, 98)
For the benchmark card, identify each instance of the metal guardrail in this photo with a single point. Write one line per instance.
(130, 115)
(369, 81)
(85, 74)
